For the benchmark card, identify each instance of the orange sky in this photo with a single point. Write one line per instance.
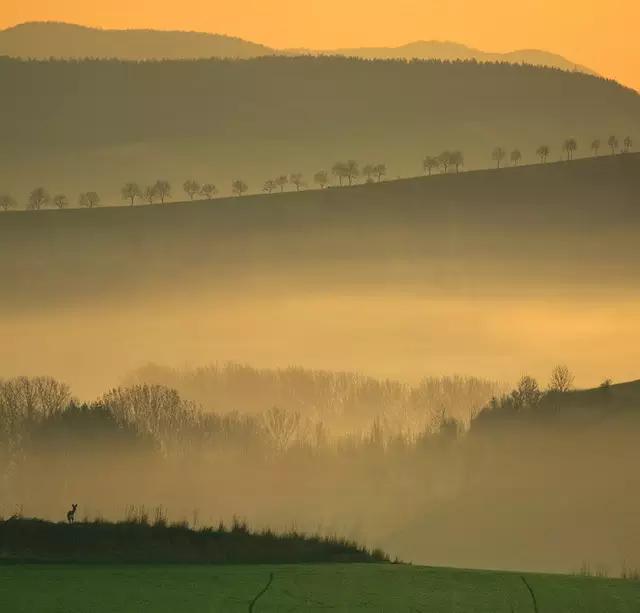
(601, 35)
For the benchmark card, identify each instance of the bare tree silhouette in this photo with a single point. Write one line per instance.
(445, 161)
(93, 198)
(150, 193)
(628, 143)
(209, 191)
(282, 426)
(595, 146)
(131, 191)
(60, 201)
(367, 171)
(516, 156)
(38, 199)
(379, 170)
(7, 202)
(339, 170)
(429, 164)
(163, 189)
(89, 199)
(543, 153)
(269, 186)
(497, 155)
(321, 178)
(297, 180)
(457, 159)
(281, 182)
(613, 144)
(569, 146)
(351, 171)
(561, 379)
(191, 188)
(239, 187)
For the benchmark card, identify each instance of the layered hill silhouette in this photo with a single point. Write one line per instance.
(565, 225)
(451, 51)
(608, 403)
(429, 267)
(97, 124)
(63, 40)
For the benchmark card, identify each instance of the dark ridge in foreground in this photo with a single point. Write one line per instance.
(36, 540)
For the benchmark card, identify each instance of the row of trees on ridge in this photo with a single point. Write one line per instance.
(345, 172)
(569, 147)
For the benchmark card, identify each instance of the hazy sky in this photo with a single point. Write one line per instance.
(601, 35)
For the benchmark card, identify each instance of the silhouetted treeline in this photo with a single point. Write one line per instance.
(345, 172)
(317, 412)
(342, 400)
(278, 410)
(265, 411)
(528, 404)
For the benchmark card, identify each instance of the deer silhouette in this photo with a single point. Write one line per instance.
(71, 515)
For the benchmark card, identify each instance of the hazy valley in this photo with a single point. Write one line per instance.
(386, 295)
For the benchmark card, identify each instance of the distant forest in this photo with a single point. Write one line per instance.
(109, 102)
(318, 413)
(95, 125)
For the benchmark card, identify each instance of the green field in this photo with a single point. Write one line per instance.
(381, 587)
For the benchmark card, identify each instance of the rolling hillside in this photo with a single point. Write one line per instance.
(97, 124)
(544, 494)
(310, 588)
(493, 273)
(571, 223)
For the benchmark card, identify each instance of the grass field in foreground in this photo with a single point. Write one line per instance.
(74, 588)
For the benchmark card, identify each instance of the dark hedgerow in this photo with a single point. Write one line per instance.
(139, 541)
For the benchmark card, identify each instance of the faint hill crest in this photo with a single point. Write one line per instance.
(64, 40)
(452, 51)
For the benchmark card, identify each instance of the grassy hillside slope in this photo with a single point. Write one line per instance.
(97, 124)
(566, 224)
(140, 541)
(306, 588)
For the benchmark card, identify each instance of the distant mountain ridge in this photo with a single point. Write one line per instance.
(447, 50)
(42, 40)
(62, 40)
